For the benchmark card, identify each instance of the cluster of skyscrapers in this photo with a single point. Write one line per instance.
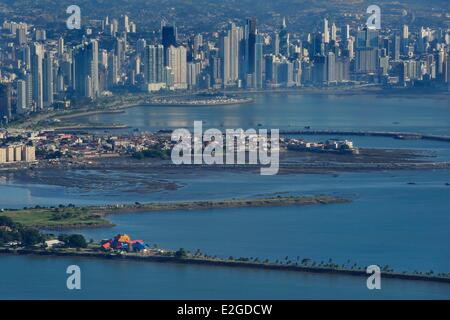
(112, 55)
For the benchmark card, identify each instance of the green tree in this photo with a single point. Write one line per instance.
(30, 236)
(77, 241)
(7, 222)
(181, 253)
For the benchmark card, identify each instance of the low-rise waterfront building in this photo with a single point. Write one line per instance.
(17, 153)
(28, 154)
(9, 154)
(2, 155)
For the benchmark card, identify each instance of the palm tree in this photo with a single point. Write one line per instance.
(306, 261)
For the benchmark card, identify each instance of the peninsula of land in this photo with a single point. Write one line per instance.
(71, 217)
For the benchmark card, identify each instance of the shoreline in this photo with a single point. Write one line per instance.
(220, 262)
(116, 106)
(91, 127)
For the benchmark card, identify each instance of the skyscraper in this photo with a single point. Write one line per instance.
(395, 54)
(367, 52)
(48, 79)
(193, 71)
(5, 102)
(21, 35)
(61, 46)
(233, 34)
(331, 67)
(21, 105)
(333, 32)
(367, 60)
(326, 31)
(140, 47)
(250, 38)
(284, 39)
(37, 54)
(124, 24)
(259, 61)
(405, 31)
(93, 64)
(168, 38)
(113, 71)
(405, 39)
(177, 62)
(29, 90)
(198, 41)
(276, 44)
(367, 38)
(85, 65)
(346, 35)
(154, 64)
(229, 54)
(120, 48)
(26, 57)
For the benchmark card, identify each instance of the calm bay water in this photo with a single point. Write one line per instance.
(389, 221)
(45, 278)
(414, 114)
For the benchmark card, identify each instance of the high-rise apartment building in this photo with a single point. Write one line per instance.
(37, 55)
(85, 70)
(154, 64)
(177, 62)
(48, 84)
(21, 104)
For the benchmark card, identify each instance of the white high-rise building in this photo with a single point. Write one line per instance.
(234, 38)
(333, 32)
(405, 32)
(61, 46)
(225, 59)
(229, 54)
(326, 31)
(347, 32)
(177, 62)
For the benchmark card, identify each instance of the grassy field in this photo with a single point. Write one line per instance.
(57, 218)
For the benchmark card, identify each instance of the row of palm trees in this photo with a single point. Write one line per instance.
(306, 262)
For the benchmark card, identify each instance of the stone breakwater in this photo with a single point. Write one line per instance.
(169, 257)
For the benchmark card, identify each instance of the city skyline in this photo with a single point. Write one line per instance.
(237, 149)
(46, 72)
